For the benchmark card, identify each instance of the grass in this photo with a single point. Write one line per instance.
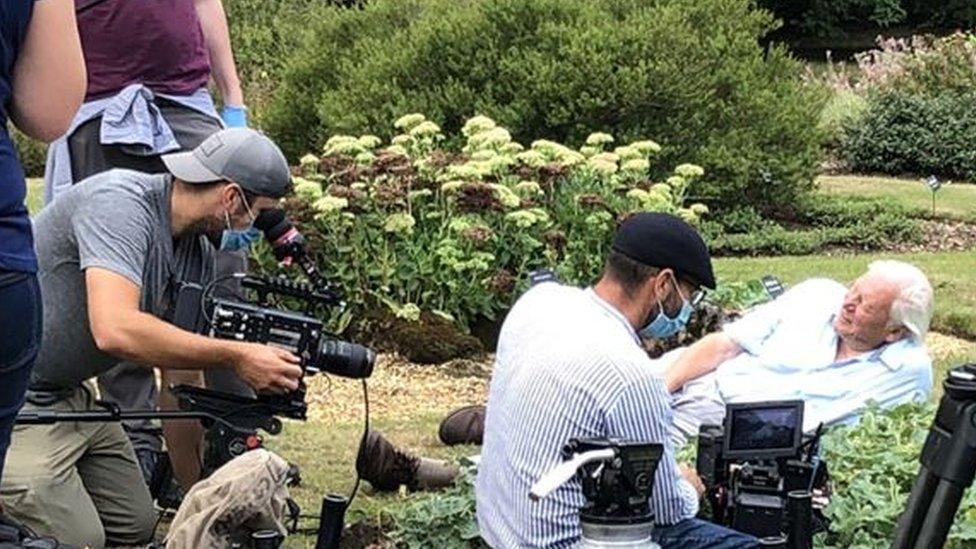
(35, 194)
(955, 201)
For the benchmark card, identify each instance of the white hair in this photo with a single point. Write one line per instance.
(913, 306)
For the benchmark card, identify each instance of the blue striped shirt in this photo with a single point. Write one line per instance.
(568, 365)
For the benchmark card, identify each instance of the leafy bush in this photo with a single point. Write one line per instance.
(909, 133)
(414, 226)
(441, 519)
(919, 64)
(265, 34)
(689, 72)
(861, 223)
(873, 466)
(32, 153)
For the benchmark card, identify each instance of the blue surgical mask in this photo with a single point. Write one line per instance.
(664, 326)
(239, 239)
(233, 239)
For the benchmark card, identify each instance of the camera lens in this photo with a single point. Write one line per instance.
(345, 359)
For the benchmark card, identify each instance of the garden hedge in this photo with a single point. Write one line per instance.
(689, 72)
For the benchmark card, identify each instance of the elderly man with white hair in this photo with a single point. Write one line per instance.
(835, 348)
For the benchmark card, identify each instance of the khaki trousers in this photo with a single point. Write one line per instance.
(78, 482)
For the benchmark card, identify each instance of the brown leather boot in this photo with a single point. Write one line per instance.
(386, 467)
(463, 426)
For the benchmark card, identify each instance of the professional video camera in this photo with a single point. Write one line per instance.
(761, 475)
(617, 478)
(233, 421)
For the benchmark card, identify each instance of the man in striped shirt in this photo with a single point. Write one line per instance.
(570, 364)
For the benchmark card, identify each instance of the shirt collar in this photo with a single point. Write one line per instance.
(614, 313)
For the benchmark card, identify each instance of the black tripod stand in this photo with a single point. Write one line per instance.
(948, 465)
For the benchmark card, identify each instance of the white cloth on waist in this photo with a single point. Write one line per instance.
(131, 118)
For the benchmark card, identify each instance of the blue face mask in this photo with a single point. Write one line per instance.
(239, 239)
(664, 326)
(233, 239)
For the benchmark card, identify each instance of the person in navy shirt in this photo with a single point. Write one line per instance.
(42, 83)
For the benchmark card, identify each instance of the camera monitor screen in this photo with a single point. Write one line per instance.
(763, 429)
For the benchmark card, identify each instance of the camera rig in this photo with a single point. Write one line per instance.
(233, 422)
(617, 478)
(761, 474)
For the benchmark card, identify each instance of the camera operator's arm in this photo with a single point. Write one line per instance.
(700, 358)
(184, 439)
(119, 328)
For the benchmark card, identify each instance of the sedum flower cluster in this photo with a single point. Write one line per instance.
(415, 224)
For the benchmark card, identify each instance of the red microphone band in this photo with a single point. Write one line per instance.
(287, 237)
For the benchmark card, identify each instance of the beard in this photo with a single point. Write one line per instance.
(209, 227)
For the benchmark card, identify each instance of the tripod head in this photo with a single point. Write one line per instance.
(617, 478)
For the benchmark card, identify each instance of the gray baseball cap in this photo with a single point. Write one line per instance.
(241, 155)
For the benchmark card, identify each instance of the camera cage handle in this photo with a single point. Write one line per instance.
(564, 471)
(313, 294)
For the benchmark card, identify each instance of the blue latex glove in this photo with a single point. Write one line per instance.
(234, 116)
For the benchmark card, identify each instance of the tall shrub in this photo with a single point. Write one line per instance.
(913, 133)
(689, 72)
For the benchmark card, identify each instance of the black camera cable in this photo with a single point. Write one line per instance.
(355, 487)
(205, 294)
(362, 443)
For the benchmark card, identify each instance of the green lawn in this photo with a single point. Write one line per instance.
(954, 201)
(35, 194)
(951, 274)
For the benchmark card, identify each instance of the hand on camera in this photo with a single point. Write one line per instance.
(692, 477)
(267, 368)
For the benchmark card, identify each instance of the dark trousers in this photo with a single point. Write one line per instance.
(699, 534)
(20, 338)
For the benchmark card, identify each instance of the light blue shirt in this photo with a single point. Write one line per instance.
(568, 365)
(790, 347)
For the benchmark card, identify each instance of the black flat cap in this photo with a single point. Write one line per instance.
(665, 241)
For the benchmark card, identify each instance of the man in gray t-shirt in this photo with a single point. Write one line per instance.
(118, 221)
(112, 253)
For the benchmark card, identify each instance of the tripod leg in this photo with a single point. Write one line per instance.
(916, 509)
(936, 526)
